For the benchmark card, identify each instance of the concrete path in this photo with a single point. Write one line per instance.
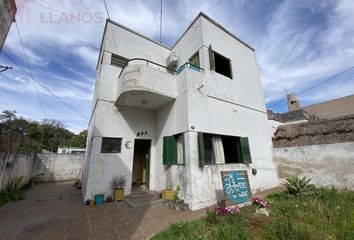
(56, 217)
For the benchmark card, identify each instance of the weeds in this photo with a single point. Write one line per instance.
(318, 214)
(14, 191)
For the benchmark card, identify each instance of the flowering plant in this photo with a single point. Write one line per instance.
(259, 202)
(227, 210)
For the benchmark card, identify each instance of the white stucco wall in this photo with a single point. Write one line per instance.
(326, 164)
(205, 101)
(46, 166)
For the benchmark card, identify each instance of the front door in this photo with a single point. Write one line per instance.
(141, 163)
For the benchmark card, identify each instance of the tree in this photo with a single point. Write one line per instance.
(79, 140)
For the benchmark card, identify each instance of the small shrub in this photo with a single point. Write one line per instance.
(297, 185)
(15, 185)
(118, 181)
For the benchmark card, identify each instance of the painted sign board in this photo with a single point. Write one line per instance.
(236, 187)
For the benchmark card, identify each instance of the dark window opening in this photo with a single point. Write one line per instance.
(222, 65)
(230, 149)
(208, 148)
(219, 149)
(118, 61)
(194, 60)
(111, 145)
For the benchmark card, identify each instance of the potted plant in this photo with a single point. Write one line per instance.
(109, 198)
(117, 184)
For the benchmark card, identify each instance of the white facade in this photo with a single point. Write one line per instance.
(71, 150)
(149, 102)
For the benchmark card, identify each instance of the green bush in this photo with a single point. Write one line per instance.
(297, 185)
(13, 192)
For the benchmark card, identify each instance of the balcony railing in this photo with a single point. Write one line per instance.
(147, 64)
(170, 70)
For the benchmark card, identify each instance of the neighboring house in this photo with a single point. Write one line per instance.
(7, 16)
(164, 128)
(71, 150)
(336, 108)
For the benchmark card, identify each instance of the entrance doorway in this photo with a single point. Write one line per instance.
(141, 163)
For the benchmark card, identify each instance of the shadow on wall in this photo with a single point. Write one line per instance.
(102, 167)
(48, 167)
(58, 167)
(14, 165)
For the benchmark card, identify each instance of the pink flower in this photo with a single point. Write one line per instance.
(259, 202)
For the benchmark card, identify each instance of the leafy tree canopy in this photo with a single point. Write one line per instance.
(20, 134)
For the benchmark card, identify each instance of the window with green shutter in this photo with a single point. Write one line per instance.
(173, 150)
(169, 150)
(201, 150)
(221, 149)
(245, 150)
(219, 63)
(194, 60)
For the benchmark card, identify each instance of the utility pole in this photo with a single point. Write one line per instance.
(4, 68)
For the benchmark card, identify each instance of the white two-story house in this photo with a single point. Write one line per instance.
(177, 116)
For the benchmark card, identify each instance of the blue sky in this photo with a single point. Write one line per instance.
(63, 51)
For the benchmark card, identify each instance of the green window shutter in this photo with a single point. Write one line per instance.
(211, 59)
(245, 150)
(231, 74)
(194, 60)
(169, 150)
(184, 149)
(201, 149)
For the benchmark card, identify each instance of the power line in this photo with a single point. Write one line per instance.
(43, 86)
(340, 85)
(161, 23)
(314, 86)
(105, 6)
(293, 48)
(30, 70)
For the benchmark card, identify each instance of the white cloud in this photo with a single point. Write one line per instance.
(89, 55)
(325, 49)
(55, 41)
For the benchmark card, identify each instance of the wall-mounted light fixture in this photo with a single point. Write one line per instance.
(128, 144)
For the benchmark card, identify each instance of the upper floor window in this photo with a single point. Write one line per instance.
(118, 61)
(194, 60)
(219, 63)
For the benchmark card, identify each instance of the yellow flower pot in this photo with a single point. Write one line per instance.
(119, 194)
(168, 194)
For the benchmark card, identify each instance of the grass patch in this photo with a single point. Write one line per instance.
(319, 214)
